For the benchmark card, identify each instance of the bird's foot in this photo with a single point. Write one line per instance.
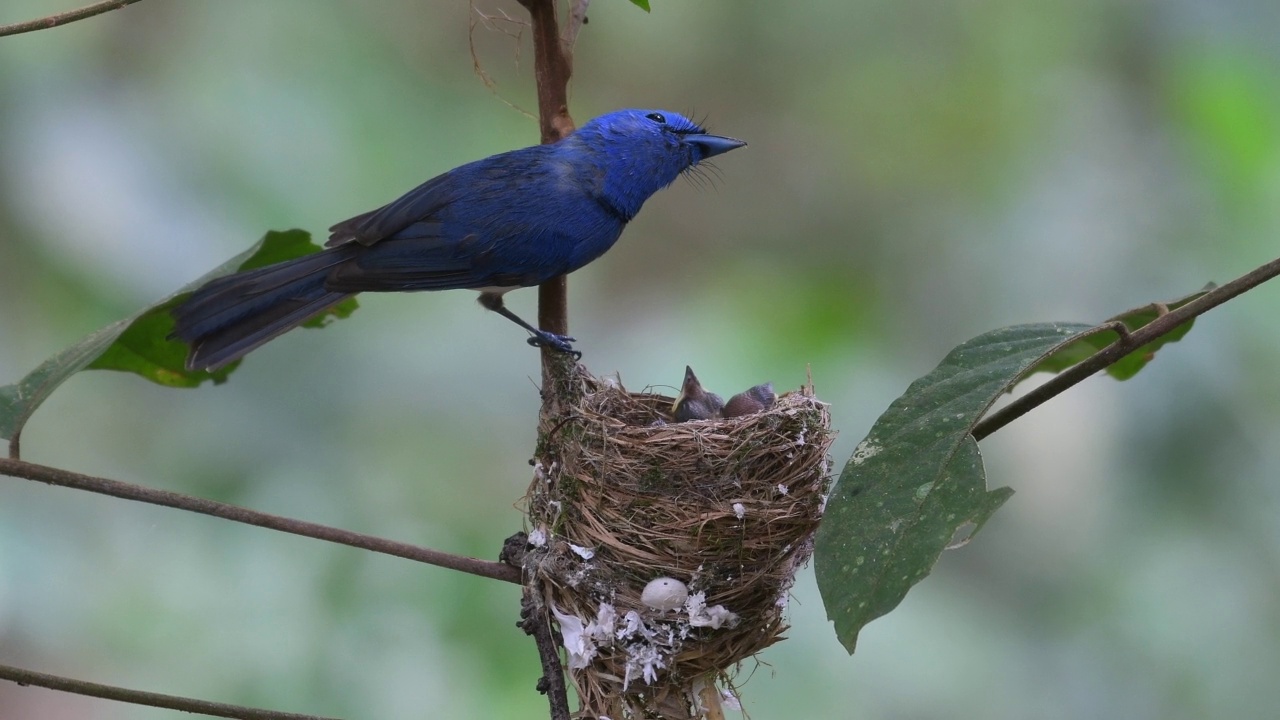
(559, 343)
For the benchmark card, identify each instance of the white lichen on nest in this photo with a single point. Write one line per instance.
(647, 642)
(726, 508)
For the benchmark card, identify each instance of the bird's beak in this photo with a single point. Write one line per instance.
(714, 144)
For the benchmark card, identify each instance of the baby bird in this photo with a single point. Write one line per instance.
(694, 402)
(753, 400)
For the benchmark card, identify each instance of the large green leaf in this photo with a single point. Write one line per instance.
(642, 4)
(140, 344)
(917, 478)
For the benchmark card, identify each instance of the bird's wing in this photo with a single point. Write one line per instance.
(504, 221)
(425, 256)
(478, 187)
(420, 203)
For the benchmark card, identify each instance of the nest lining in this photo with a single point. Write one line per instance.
(727, 507)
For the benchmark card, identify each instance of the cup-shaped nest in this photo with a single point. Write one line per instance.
(724, 510)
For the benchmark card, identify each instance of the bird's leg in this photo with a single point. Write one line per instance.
(541, 338)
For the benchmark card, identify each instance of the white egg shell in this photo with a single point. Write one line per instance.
(665, 594)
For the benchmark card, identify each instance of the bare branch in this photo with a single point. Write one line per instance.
(536, 621)
(129, 491)
(552, 68)
(70, 16)
(1162, 325)
(577, 18)
(138, 697)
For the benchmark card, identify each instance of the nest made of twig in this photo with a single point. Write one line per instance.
(622, 495)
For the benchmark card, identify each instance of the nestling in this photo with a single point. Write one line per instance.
(695, 402)
(752, 400)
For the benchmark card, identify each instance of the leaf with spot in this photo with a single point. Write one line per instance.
(141, 344)
(918, 478)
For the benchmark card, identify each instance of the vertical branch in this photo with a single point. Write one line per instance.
(536, 621)
(552, 68)
(553, 315)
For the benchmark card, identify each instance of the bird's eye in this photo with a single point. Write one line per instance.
(657, 117)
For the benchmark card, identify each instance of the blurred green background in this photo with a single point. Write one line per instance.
(918, 173)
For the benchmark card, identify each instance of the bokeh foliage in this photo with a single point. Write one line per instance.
(918, 174)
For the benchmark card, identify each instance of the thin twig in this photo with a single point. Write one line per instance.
(499, 24)
(129, 491)
(577, 18)
(138, 697)
(1162, 325)
(63, 18)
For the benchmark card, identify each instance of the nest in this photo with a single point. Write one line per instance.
(623, 496)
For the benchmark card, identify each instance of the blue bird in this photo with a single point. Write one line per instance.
(512, 220)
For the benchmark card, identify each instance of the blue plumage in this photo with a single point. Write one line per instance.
(511, 220)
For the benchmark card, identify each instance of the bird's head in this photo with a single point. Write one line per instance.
(642, 151)
(694, 401)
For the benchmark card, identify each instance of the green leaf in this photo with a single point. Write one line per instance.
(917, 478)
(140, 344)
(1129, 365)
(642, 4)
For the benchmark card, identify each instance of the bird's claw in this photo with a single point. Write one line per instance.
(559, 343)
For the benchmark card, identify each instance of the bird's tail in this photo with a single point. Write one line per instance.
(232, 315)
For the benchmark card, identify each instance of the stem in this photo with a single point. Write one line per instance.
(553, 309)
(1122, 347)
(129, 491)
(552, 68)
(535, 621)
(172, 702)
(70, 16)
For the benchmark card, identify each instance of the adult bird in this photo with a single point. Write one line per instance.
(512, 220)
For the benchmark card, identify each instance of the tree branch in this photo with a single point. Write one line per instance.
(536, 621)
(69, 16)
(552, 69)
(1122, 347)
(129, 491)
(138, 697)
